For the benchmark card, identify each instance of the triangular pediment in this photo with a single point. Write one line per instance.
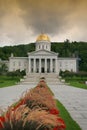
(43, 52)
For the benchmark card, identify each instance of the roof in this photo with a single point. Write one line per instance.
(43, 37)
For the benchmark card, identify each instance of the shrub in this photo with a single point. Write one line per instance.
(72, 74)
(17, 73)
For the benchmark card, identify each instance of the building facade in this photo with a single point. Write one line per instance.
(43, 60)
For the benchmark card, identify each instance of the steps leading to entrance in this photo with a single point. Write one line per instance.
(34, 78)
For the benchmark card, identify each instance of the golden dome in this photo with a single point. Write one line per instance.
(43, 37)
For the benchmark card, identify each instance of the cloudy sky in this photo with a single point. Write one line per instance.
(21, 21)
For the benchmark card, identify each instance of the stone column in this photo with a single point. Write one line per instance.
(29, 65)
(34, 65)
(39, 65)
(46, 65)
(51, 65)
(56, 69)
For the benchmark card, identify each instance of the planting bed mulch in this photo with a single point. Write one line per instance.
(36, 110)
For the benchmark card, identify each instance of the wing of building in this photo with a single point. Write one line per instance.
(43, 60)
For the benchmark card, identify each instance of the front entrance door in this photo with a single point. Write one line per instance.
(42, 70)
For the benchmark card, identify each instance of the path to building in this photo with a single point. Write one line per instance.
(74, 99)
(9, 95)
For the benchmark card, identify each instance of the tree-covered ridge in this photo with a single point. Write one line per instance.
(65, 49)
(18, 50)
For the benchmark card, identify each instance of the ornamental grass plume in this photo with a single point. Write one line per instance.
(35, 98)
(13, 119)
(23, 118)
(42, 118)
(40, 97)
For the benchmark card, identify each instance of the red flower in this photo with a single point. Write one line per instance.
(8, 115)
(55, 128)
(20, 103)
(2, 120)
(42, 81)
(54, 111)
(62, 123)
(1, 125)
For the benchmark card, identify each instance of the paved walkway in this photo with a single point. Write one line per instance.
(9, 95)
(74, 99)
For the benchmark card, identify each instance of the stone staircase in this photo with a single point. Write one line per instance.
(34, 78)
(30, 79)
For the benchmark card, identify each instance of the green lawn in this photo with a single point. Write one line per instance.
(78, 82)
(8, 81)
(70, 123)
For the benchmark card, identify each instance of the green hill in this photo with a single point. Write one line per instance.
(65, 49)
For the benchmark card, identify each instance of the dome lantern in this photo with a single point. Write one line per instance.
(43, 42)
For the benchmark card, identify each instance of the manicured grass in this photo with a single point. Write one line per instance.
(78, 82)
(70, 123)
(6, 81)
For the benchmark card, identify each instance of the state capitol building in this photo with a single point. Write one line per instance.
(43, 60)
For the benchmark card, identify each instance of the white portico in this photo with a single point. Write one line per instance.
(42, 60)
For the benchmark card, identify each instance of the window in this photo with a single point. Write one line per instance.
(13, 69)
(53, 69)
(14, 63)
(19, 63)
(25, 64)
(31, 69)
(42, 46)
(60, 64)
(71, 70)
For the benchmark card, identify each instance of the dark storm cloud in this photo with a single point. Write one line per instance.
(23, 20)
(50, 16)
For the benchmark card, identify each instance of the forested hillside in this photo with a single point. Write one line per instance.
(65, 49)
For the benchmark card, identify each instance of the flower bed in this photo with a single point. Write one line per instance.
(36, 110)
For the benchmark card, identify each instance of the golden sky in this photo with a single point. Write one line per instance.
(21, 21)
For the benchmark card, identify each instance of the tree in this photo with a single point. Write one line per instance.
(3, 68)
